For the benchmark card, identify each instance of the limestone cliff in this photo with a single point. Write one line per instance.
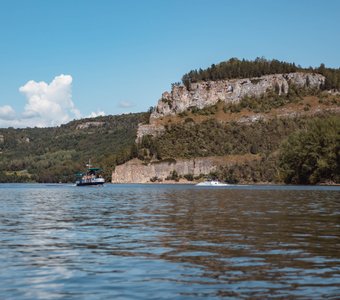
(135, 171)
(206, 93)
(88, 125)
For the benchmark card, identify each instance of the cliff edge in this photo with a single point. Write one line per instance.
(207, 93)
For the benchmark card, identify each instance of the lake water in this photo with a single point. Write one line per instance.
(169, 242)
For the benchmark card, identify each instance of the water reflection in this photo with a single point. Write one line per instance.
(243, 238)
(168, 241)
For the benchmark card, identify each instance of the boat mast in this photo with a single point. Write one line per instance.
(89, 164)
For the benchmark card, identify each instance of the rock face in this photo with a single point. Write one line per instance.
(90, 125)
(207, 93)
(135, 171)
(148, 129)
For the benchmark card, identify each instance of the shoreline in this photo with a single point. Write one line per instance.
(185, 182)
(239, 183)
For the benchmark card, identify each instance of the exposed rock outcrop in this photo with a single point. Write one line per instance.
(90, 125)
(207, 93)
(135, 171)
(148, 129)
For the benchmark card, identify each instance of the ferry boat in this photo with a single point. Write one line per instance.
(91, 177)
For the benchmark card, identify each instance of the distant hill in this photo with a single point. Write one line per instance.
(55, 154)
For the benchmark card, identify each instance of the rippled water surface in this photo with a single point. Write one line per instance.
(169, 242)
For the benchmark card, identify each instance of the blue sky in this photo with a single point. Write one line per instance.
(68, 59)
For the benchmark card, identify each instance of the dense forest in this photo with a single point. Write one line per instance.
(213, 138)
(55, 154)
(235, 68)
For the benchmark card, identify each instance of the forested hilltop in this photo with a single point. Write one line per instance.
(56, 154)
(235, 68)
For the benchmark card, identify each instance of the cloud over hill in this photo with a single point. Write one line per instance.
(47, 104)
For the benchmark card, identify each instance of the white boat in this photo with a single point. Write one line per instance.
(212, 183)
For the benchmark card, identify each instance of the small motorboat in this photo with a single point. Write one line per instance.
(212, 183)
(90, 177)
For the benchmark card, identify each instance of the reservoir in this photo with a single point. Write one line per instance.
(169, 242)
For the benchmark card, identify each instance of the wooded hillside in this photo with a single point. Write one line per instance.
(56, 154)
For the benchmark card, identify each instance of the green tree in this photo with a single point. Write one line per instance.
(313, 155)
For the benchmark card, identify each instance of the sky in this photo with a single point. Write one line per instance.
(70, 59)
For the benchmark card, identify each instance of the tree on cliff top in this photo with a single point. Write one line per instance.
(235, 68)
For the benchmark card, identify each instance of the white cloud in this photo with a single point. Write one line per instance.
(125, 104)
(7, 113)
(48, 104)
(96, 114)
